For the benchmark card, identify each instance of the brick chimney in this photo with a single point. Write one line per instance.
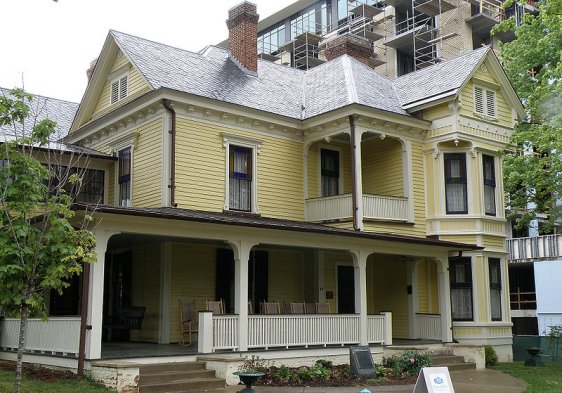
(351, 45)
(90, 71)
(242, 36)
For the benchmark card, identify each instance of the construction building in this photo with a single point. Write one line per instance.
(394, 37)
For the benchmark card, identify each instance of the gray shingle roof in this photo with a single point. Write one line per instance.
(437, 79)
(40, 107)
(277, 89)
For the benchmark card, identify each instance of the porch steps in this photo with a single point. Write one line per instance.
(445, 358)
(190, 377)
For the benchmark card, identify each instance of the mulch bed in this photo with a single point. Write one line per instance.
(39, 373)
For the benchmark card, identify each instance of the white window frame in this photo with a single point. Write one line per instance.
(340, 176)
(116, 77)
(128, 140)
(485, 107)
(254, 145)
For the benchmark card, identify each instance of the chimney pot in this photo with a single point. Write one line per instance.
(242, 36)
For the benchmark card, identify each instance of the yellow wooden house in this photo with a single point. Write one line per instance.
(242, 181)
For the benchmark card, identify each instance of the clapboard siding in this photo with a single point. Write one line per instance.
(147, 166)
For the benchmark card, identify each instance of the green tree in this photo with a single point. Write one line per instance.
(533, 162)
(42, 245)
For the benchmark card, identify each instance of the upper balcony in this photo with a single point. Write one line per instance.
(526, 249)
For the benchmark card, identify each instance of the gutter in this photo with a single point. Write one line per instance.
(172, 185)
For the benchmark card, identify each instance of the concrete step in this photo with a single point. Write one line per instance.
(186, 385)
(169, 376)
(176, 366)
(447, 359)
(461, 366)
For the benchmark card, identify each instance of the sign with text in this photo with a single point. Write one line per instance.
(434, 380)
(361, 362)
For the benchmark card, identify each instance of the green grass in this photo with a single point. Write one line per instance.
(546, 379)
(63, 386)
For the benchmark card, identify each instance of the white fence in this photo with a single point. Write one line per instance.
(340, 207)
(58, 335)
(528, 248)
(285, 331)
(428, 326)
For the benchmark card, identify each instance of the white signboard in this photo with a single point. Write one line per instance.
(434, 380)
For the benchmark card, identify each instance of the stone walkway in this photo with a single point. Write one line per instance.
(471, 381)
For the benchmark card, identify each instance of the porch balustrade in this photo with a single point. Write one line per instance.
(529, 248)
(58, 335)
(340, 207)
(285, 331)
(428, 326)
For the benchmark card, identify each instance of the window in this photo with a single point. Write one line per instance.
(455, 183)
(489, 185)
(119, 88)
(330, 171)
(240, 178)
(460, 274)
(91, 190)
(495, 288)
(124, 179)
(484, 101)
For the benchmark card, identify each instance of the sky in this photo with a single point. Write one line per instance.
(48, 45)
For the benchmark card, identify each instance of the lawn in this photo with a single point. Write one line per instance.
(30, 385)
(546, 379)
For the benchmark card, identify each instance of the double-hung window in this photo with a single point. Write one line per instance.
(489, 185)
(494, 268)
(240, 178)
(330, 171)
(484, 102)
(124, 179)
(460, 274)
(455, 183)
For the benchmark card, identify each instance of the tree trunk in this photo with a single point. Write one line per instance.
(21, 346)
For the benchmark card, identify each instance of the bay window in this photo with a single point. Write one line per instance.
(455, 183)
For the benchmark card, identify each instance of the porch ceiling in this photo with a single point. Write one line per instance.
(254, 221)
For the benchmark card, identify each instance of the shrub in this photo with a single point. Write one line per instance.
(408, 364)
(255, 363)
(490, 355)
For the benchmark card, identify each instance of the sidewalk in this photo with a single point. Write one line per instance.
(471, 381)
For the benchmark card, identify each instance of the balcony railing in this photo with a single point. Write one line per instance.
(531, 248)
(340, 207)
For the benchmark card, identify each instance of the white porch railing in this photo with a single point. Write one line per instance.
(428, 326)
(270, 331)
(339, 207)
(528, 248)
(57, 335)
(385, 207)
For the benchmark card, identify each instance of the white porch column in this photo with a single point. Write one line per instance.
(241, 250)
(360, 270)
(412, 280)
(165, 292)
(445, 300)
(95, 295)
(357, 178)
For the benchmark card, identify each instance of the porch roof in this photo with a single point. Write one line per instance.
(252, 220)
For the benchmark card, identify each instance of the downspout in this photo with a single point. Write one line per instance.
(84, 318)
(172, 185)
(354, 179)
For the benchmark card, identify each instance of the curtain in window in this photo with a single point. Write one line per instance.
(489, 185)
(461, 303)
(330, 169)
(495, 289)
(125, 177)
(460, 274)
(455, 183)
(240, 182)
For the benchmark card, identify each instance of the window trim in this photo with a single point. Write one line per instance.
(248, 143)
(466, 177)
(492, 183)
(454, 285)
(485, 108)
(340, 169)
(130, 177)
(116, 77)
(497, 285)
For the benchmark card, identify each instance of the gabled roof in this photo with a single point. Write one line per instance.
(438, 80)
(41, 107)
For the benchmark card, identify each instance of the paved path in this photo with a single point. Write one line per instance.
(471, 381)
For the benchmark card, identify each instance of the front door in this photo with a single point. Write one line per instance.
(346, 289)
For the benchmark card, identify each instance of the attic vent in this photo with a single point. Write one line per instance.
(484, 102)
(119, 89)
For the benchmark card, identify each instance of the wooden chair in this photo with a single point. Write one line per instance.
(187, 320)
(217, 307)
(250, 308)
(310, 308)
(296, 308)
(322, 308)
(270, 308)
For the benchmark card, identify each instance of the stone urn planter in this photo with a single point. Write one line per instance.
(248, 378)
(534, 360)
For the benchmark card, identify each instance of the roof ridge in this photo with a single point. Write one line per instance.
(157, 42)
(349, 79)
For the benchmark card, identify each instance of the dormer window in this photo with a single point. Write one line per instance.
(484, 102)
(119, 88)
